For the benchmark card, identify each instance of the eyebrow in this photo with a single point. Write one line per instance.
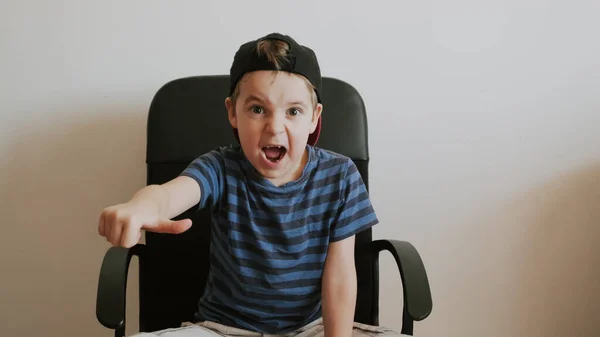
(253, 98)
(298, 103)
(262, 101)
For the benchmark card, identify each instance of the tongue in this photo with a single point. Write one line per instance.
(272, 152)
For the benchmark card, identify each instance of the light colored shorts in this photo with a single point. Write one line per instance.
(212, 329)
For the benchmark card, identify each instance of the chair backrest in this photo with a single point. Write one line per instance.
(187, 118)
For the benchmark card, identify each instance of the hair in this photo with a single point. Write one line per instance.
(275, 52)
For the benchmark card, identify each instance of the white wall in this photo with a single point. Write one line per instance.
(484, 129)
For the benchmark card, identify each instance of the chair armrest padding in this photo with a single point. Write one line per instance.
(112, 285)
(417, 294)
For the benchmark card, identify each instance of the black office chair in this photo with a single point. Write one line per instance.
(187, 117)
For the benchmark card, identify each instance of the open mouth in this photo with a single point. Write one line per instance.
(274, 153)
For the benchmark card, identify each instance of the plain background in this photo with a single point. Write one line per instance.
(484, 120)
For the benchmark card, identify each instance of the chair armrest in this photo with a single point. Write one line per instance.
(112, 285)
(417, 294)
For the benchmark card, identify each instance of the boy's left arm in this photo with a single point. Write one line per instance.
(339, 289)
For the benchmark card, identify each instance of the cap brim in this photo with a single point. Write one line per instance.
(313, 138)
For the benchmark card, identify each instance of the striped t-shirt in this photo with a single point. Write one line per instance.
(269, 243)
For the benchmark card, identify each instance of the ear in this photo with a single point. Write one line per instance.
(231, 112)
(315, 118)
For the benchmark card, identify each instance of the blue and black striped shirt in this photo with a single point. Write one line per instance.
(269, 243)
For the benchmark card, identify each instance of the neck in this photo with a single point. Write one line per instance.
(295, 173)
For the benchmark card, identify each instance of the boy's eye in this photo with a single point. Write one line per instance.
(257, 110)
(294, 111)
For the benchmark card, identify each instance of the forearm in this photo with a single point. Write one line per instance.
(169, 199)
(153, 198)
(339, 300)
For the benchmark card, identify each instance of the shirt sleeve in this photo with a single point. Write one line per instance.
(356, 212)
(208, 171)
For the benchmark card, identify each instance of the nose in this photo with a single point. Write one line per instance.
(275, 124)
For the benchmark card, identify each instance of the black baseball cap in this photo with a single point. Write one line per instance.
(300, 60)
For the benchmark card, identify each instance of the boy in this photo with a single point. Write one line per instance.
(284, 212)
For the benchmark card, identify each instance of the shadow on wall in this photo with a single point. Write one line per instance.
(527, 267)
(55, 181)
(558, 265)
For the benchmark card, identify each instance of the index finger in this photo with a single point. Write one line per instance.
(101, 225)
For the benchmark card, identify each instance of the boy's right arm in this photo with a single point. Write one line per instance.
(151, 209)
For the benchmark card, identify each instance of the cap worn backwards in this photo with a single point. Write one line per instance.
(300, 60)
